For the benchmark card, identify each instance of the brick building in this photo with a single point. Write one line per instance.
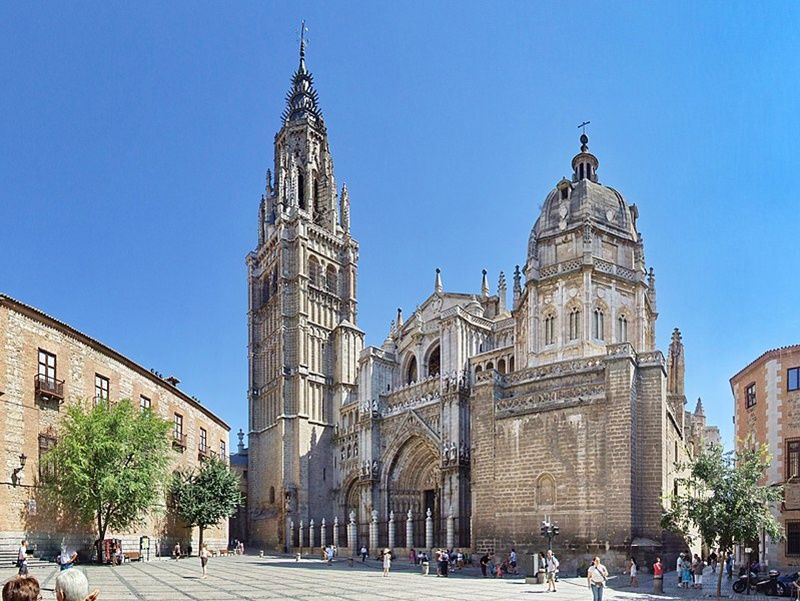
(45, 365)
(476, 417)
(766, 397)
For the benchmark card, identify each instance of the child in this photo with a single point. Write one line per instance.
(634, 572)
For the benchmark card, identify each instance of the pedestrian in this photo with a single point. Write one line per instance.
(412, 556)
(712, 560)
(796, 586)
(729, 564)
(66, 560)
(552, 570)
(597, 577)
(679, 569)
(25, 588)
(484, 562)
(697, 571)
(658, 577)
(460, 559)
(22, 559)
(204, 555)
(444, 564)
(634, 571)
(72, 585)
(330, 555)
(686, 572)
(363, 554)
(387, 562)
(120, 556)
(512, 561)
(176, 551)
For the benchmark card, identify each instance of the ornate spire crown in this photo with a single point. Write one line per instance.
(302, 101)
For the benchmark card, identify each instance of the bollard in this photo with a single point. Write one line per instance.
(297, 557)
(658, 585)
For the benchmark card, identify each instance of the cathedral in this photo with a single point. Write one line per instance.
(482, 413)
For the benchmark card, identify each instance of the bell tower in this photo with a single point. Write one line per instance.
(303, 343)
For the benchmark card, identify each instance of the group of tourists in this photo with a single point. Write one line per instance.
(690, 570)
(71, 584)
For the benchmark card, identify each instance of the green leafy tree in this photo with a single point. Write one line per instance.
(206, 496)
(110, 465)
(723, 499)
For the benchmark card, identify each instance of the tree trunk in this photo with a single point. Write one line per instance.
(201, 528)
(101, 530)
(721, 567)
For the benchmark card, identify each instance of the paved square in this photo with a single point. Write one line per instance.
(257, 578)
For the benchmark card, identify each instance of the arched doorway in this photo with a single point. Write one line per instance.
(414, 482)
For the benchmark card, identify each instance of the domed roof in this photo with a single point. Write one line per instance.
(583, 199)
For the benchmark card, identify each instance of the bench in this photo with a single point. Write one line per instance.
(221, 552)
(132, 555)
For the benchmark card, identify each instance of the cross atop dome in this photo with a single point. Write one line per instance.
(584, 164)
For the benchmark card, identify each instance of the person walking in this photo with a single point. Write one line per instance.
(552, 570)
(634, 572)
(363, 554)
(22, 559)
(729, 565)
(679, 569)
(697, 571)
(597, 576)
(204, 555)
(512, 561)
(330, 555)
(387, 562)
(686, 572)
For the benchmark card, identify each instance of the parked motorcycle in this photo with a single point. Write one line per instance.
(766, 585)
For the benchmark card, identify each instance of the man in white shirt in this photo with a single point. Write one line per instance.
(22, 558)
(552, 568)
(597, 576)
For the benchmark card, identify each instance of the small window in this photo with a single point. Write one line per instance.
(144, 403)
(331, 279)
(792, 538)
(101, 389)
(750, 396)
(564, 193)
(203, 439)
(793, 379)
(622, 329)
(598, 325)
(574, 323)
(793, 459)
(46, 468)
(314, 272)
(301, 191)
(223, 450)
(177, 427)
(47, 365)
(549, 329)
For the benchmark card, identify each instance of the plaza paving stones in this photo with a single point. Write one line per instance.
(256, 578)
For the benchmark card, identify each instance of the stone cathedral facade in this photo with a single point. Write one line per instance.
(476, 417)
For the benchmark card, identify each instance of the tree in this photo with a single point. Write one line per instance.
(110, 465)
(206, 496)
(722, 499)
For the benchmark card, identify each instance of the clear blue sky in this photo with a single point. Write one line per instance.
(135, 136)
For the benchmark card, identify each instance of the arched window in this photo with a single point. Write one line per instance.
(574, 323)
(434, 362)
(330, 279)
(349, 451)
(478, 369)
(501, 366)
(301, 190)
(272, 494)
(545, 490)
(549, 329)
(355, 450)
(411, 371)
(511, 364)
(313, 272)
(622, 329)
(490, 365)
(598, 324)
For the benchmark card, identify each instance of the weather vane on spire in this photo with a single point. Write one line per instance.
(303, 30)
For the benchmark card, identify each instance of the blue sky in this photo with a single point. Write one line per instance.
(135, 136)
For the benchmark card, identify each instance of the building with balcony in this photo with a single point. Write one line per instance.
(46, 365)
(766, 396)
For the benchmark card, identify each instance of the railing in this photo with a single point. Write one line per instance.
(49, 387)
(179, 440)
(204, 452)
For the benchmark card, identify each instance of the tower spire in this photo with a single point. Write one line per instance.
(302, 102)
(303, 45)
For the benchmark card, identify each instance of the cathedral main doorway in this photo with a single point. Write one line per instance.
(414, 483)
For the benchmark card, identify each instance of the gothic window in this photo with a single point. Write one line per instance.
(598, 325)
(511, 364)
(434, 362)
(501, 366)
(349, 451)
(478, 369)
(622, 329)
(301, 191)
(574, 323)
(580, 171)
(330, 279)
(411, 370)
(490, 365)
(550, 329)
(313, 272)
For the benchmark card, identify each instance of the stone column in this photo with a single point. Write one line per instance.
(428, 529)
(322, 534)
(301, 536)
(351, 534)
(450, 529)
(373, 532)
(391, 530)
(290, 535)
(409, 530)
(311, 533)
(336, 531)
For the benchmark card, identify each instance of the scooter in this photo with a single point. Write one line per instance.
(760, 584)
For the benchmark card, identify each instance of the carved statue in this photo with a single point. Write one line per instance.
(352, 517)
(452, 451)
(374, 467)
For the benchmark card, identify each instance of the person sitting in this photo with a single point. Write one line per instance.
(72, 585)
(22, 588)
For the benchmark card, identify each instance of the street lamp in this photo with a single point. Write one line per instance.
(549, 531)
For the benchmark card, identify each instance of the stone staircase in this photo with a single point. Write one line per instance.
(9, 558)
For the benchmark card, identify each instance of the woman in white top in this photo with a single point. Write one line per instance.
(204, 555)
(634, 572)
(597, 576)
(387, 561)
